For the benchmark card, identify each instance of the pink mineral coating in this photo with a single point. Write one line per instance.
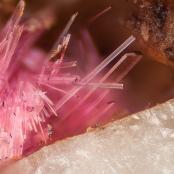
(40, 101)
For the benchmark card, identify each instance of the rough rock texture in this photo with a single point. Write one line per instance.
(153, 23)
(142, 143)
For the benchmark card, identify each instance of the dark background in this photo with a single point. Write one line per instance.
(147, 84)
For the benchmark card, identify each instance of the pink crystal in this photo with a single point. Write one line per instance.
(35, 91)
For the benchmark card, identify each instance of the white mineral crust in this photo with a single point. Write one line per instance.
(139, 144)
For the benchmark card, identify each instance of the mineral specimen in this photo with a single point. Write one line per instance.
(35, 85)
(141, 143)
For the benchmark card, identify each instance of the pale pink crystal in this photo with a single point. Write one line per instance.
(33, 88)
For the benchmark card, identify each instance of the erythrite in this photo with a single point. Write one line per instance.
(35, 87)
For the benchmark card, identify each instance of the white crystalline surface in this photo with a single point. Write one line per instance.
(140, 144)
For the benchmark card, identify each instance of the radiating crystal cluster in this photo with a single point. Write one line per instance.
(35, 86)
(141, 143)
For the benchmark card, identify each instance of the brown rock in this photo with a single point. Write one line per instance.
(154, 26)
